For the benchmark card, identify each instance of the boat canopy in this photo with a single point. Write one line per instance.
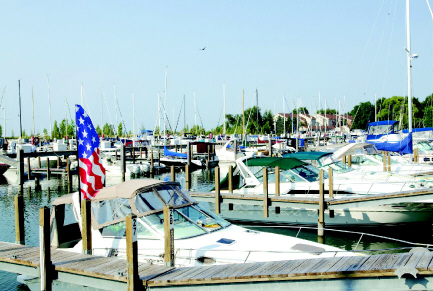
(383, 122)
(173, 154)
(283, 163)
(307, 155)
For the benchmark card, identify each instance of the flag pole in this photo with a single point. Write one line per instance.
(78, 158)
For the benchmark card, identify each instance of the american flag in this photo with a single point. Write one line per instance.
(92, 173)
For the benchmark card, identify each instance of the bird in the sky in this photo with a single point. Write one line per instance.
(203, 49)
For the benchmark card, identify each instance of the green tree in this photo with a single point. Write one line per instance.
(108, 130)
(71, 129)
(45, 132)
(362, 115)
(302, 110)
(120, 129)
(24, 134)
(280, 125)
(12, 133)
(266, 129)
(63, 128)
(98, 130)
(56, 131)
(328, 111)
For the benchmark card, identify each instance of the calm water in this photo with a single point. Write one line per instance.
(201, 180)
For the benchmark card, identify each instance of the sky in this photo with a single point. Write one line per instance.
(346, 50)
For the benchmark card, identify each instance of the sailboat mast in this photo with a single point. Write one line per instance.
(115, 107)
(375, 107)
(409, 77)
(184, 114)
(284, 115)
(102, 110)
(320, 107)
(224, 109)
(257, 110)
(33, 113)
(326, 118)
(49, 103)
(165, 98)
(243, 114)
(66, 111)
(159, 116)
(133, 116)
(195, 115)
(19, 94)
(4, 112)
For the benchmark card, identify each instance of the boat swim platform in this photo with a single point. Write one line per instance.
(313, 202)
(412, 270)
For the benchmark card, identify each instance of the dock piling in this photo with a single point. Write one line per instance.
(270, 147)
(19, 220)
(389, 162)
(86, 227)
(384, 163)
(39, 162)
(173, 177)
(277, 181)
(122, 161)
(168, 236)
(29, 169)
(45, 248)
(151, 161)
(265, 193)
(58, 162)
(344, 159)
(133, 155)
(20, 167)
(133, 279)
(331, 189)
(217, 191)
(188, 153)
(48, 168)
(230, 179)
(321, 220)
(187, 178)
(350, 161)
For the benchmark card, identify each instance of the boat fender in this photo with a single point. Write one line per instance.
(35, 140)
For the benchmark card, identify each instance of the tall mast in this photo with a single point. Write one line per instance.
(102, 110)
(19, 94)
(320, 106)
(49, 103)
(184, 113)
(33, 113)
(257, 110)
(409, 77)
(115, 107)
(243, 114)
(133, 116)
(284, 115)
(66, 111)
(165, 98)
(224, 109)
(326, 118)
(4, 112)
(159, 116)
(195, 114)
(375, 108)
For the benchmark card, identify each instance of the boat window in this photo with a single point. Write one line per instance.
(69, 215)
(183, 228)
(200, 218)
(424, 147)
(109, 210)
(370, 150)
(147, 201)
(219, 220)
(309, 173)
(119, 230)
(363, 161)
(338, 167)
(380, 129)
(379, 158)
(171, 196)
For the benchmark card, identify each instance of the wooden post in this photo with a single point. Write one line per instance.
(187, 178)
(19, 220)
(188, 153)
(48, 168)
(344, 159)
(384, 163)
(175, 148)
(159, 159)
(350, 161)
(168, 236)
(68, 173)
(270, 147)
(173, 177)
(58, 162)
(236, 147)
(265, 193)
(151, 160)
(389, 162)
(217, 191)
(133, 155)
(45, 248)
(230, 179)
(331, 183)
(141, 153)
(321, 220)
(277, 181)
(208, 154)
(133, 279)
(122, 161)
(115, 152)
(20, 167)
(29, 169)
(86, 227)
(39, 162)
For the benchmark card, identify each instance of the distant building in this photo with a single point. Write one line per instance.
(319, 122)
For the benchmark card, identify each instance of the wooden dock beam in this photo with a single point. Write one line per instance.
(20, 169)
(217, 191)
(230, 179)
(122, 161)
(187, 178)
(173, 176)
(45, 249)
(133, 279)
(48, 168)
(19, 219)
(86, 226)
(277, 181)
(168, 236)
(321, 220)
(265, 193)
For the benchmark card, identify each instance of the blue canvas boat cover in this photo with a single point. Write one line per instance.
(418, 129)
(383, 122)
(402, 147)
(173, 154)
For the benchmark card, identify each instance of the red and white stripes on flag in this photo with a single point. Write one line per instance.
(92, 175)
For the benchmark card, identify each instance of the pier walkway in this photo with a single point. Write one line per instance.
(413, 270)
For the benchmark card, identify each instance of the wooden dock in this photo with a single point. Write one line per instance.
(102, 273)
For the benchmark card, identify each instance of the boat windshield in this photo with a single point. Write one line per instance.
(299, 174)
(338, 167)
(379, 158)
(382, 129)
(424, 147)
